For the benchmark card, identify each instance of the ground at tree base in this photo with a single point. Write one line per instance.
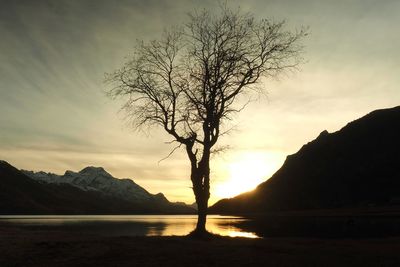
(27, 247)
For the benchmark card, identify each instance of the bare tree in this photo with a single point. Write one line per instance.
(189, 81)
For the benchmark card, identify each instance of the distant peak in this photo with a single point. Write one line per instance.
(69, 173)
(323, 134)
(160, 196)
(91, 170)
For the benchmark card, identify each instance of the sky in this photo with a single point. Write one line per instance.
(55, 116)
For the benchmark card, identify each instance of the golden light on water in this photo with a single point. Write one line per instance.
(242, 234)
(184, 224)
(135, 225)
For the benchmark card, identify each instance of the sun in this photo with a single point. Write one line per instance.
(246, 172)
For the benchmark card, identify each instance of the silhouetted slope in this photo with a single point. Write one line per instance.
(18, 191)
(19, 194)
(356, 166)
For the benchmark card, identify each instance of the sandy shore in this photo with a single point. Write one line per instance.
(38, 247)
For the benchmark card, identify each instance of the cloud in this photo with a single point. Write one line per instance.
(55, 116)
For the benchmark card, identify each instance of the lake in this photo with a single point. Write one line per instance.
(130, 225)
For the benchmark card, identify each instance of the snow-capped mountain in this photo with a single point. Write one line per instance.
(90, 191)
(97, 179)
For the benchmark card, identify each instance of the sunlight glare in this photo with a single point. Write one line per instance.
(245, 173)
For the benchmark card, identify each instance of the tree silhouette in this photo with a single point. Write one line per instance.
(190, 81)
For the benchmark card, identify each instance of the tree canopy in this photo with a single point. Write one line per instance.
(190, 79)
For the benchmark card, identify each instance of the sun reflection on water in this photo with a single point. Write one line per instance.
(226, 227)
(134, 225)
(242, 234)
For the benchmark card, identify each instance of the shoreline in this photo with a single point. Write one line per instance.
(21, 246)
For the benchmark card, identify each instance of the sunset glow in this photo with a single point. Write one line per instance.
(245, 173)
(53, 66)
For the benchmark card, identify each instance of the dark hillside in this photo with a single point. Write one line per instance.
(358, 166)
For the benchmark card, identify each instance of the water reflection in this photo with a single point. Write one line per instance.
(132, 225)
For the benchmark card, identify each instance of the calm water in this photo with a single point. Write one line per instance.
(131, 225)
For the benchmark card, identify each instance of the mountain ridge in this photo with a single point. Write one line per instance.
(355, 166)
(96, 179)
(20, 194)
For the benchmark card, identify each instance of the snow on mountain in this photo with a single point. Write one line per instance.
(97, 179)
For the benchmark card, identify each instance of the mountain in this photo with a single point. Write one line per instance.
(97, 179)
(19, 194)
(357, 166)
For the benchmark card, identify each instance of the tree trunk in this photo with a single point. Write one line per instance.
(200, 176)
(202, 206)
(201, 188)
